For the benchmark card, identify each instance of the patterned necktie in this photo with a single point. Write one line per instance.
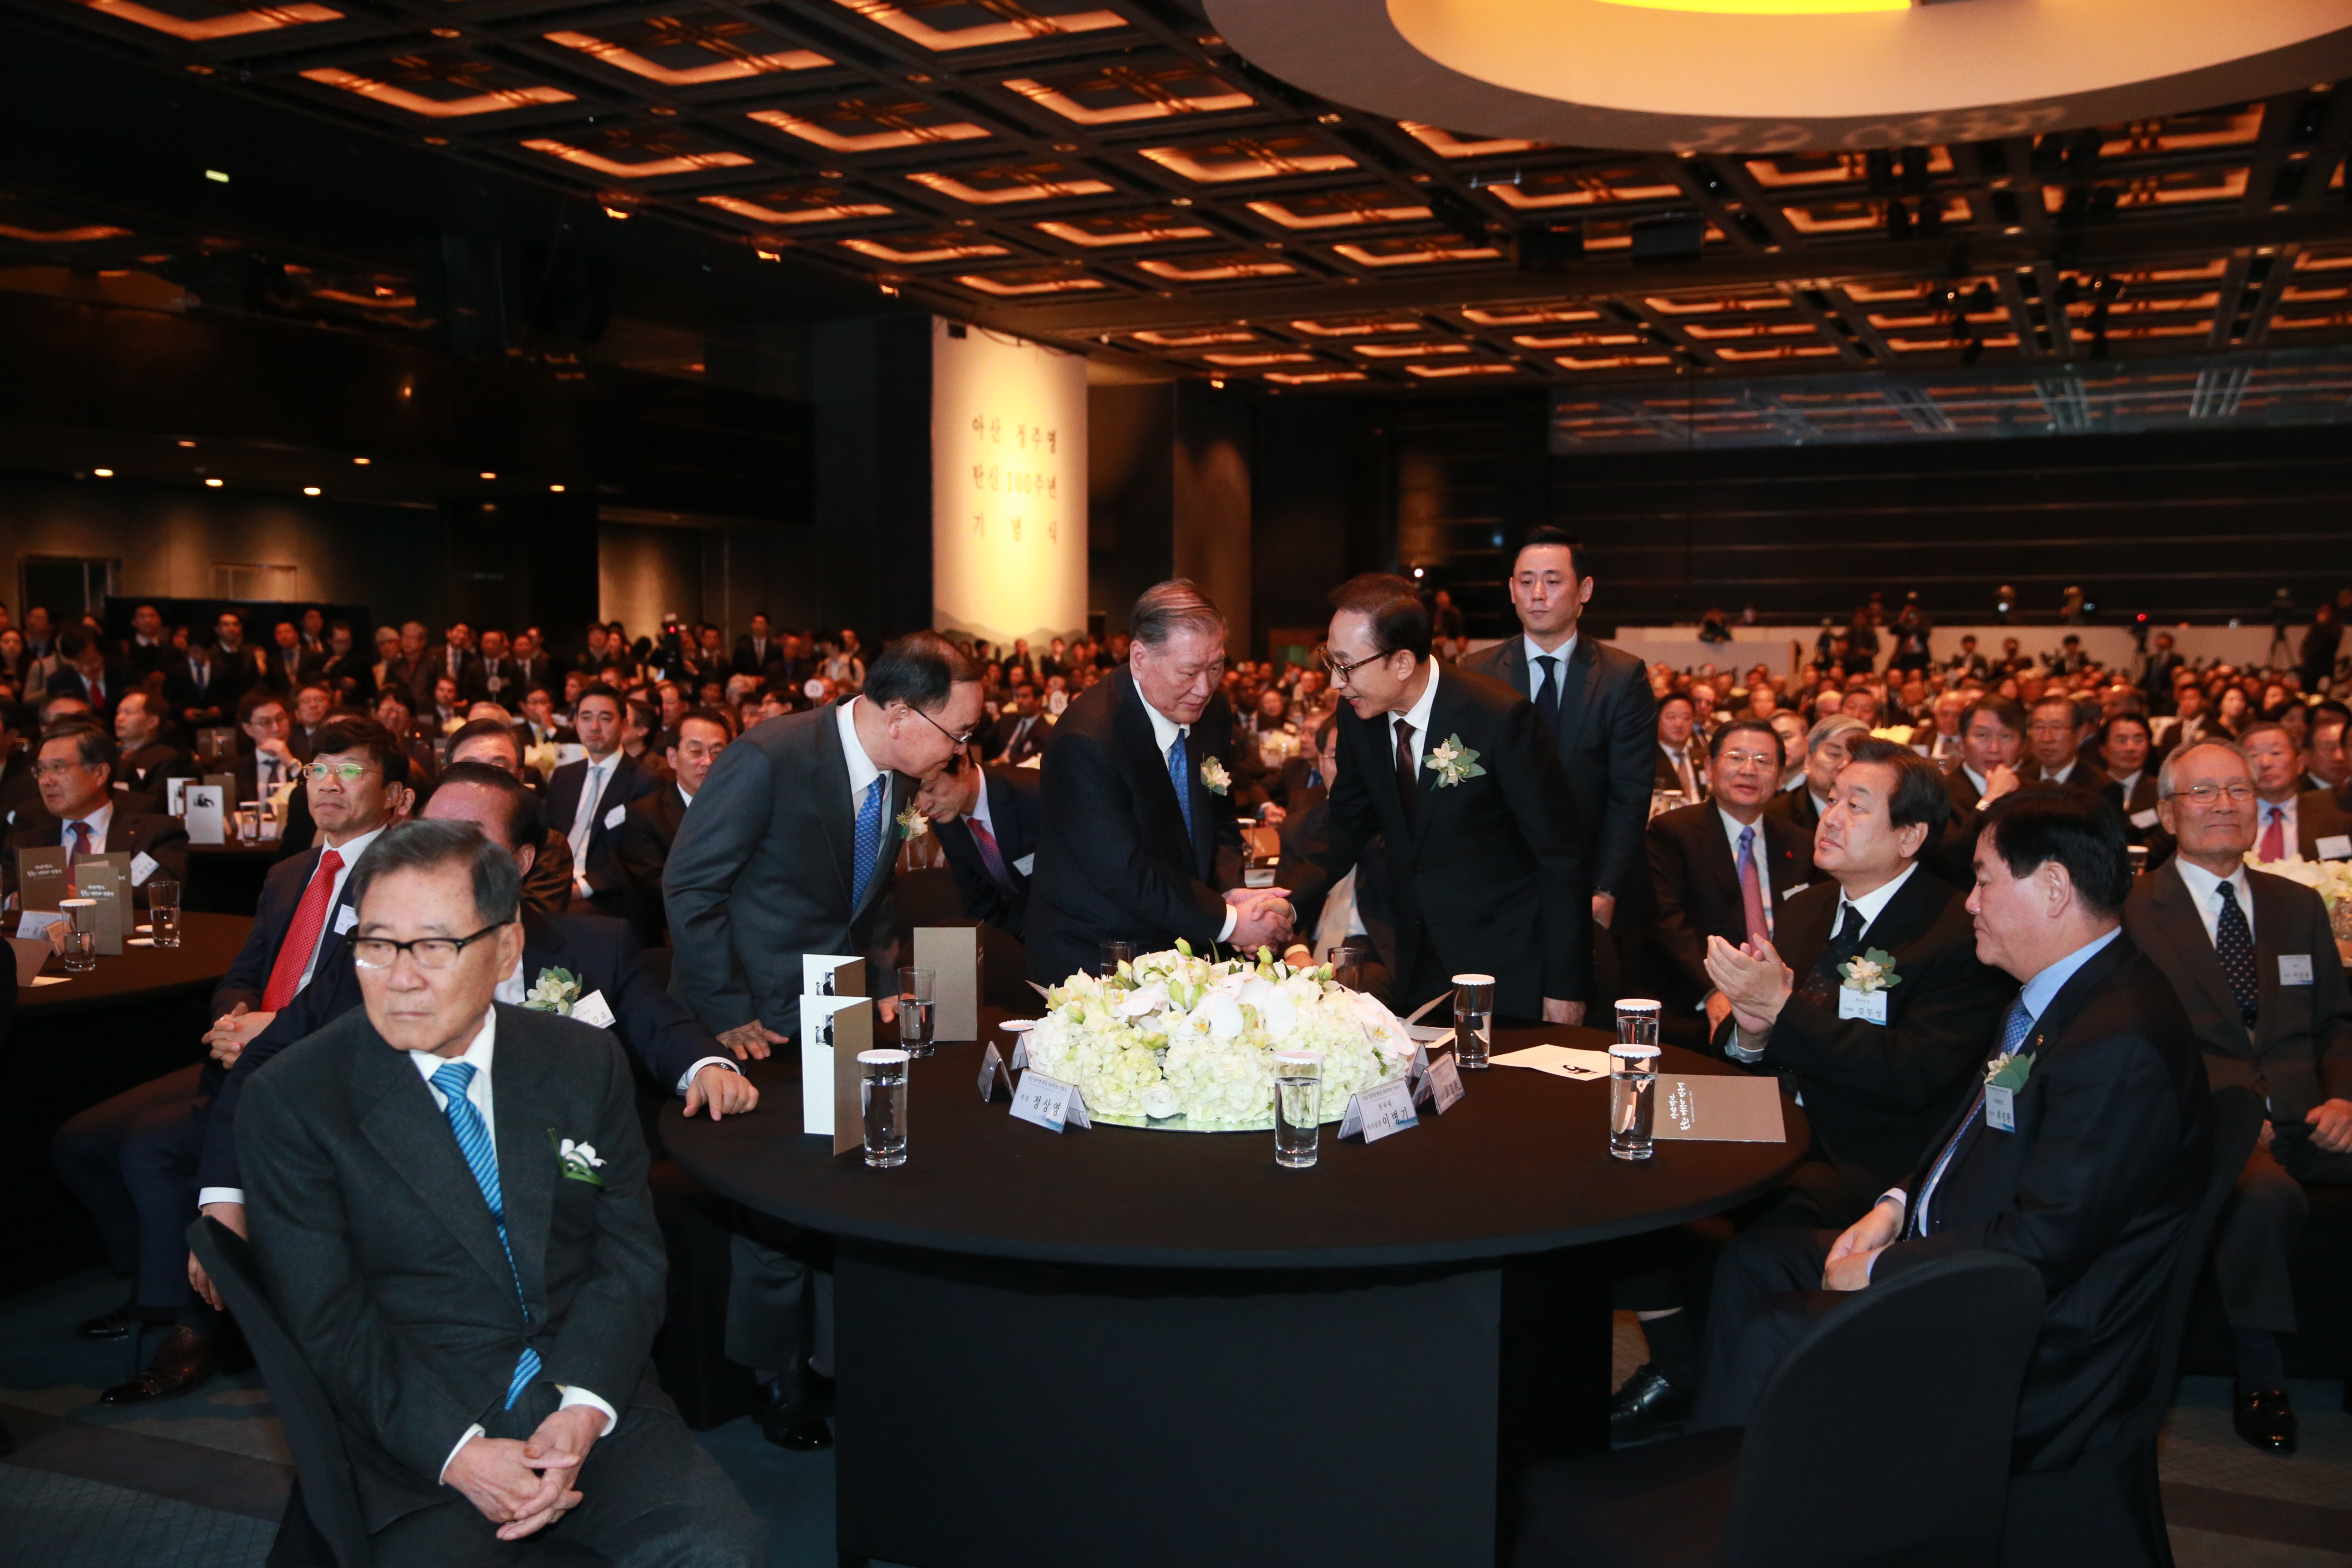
(301, 937)
(869, 841)
(1180, 774)
(2014, 1026)
(1822, 978)
(1407, 785)
(991, 855)
(482, 1159)
(2233, 940)
(81, 838)
(2274, 836)
(1752, 889)
(1547, 694)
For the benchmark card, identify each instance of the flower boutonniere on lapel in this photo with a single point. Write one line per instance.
(1872, 972)
(554, 991)
(1453, 761)
(913, 824)
(2009, 1072)
(578, 1161)
(1214, 777)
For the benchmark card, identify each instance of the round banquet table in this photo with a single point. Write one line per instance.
(78, 1039)
(1148, 1347)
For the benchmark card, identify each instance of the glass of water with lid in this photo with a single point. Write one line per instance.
(1298, 1107)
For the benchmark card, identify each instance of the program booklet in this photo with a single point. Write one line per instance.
(1719, 1108)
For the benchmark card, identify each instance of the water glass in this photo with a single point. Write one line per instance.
(1637, 1021)
(1347, 966)
(1474, 1020)
(915, 1001)
(80, 934)
(164, 910)
(1633, 1099)
(882, 1096)
(1298, 1107)
(1114, 954)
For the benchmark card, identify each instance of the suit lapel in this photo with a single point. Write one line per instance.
(2184, 929)
(1581, 679)
(526, 1161)
(1444, 720)
(832, 801)
(413, 1137)
(1717, 859)
(2273, 920)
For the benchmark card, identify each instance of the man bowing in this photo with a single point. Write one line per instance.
(1485, 867)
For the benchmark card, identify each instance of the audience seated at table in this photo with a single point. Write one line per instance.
(547, 880)
(641, 845)
(79, 811)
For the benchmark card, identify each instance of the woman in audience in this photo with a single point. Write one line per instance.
(2232, 714)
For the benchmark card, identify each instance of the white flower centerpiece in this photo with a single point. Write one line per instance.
(1187, 1043)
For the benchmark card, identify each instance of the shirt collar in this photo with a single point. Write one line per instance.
(478, 1054)
(97, 821)
(2201, 883)
(353, 850)
(683, 795)
(1164, 729)
(1872, 903)
(861, 771)
(1418, 714)
(2039, 990)
(1563, 653)
(1733, 827)
(979, 811)
(1976, 779)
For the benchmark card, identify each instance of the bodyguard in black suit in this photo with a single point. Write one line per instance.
(469, 1271)
(969, 803)
(1138, 807)
(2086, 1157)
(1485, 862)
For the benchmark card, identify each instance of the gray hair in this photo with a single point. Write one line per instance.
(426, 846)
(1829, 729)
(1171, 606)
(2170, 769)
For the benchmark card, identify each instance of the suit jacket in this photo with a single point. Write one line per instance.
(2087, 778)
(1608, 730)
(277, 675)
(381, 1254)
(762, 872)
(2318, 817)
(1695, 883)
(631, 781)
(2299, 1052)
(247, 975)
(216, 694)
(67, 681)
(1303, 828)
(1487, 874)
(1878, 1094)
(1012, 796)
(2142, 797)
(1008, 743)
(1113, 859)
(661, 1039)
(1797, 809)
(1662, 767)
(641, 847)
(505, 670)
(2095, 1188)
(757, 661)
(128, 832)
(145, 771)
(547, 885)
(1291, 790)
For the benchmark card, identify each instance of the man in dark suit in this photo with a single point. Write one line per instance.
(289, 663)
(201, 691)
(2084, 1152)
(537, 725)
(546, 875)
(1021, 730)
(1595, 703)
(83, 672)
(1992, 738)
(1720, 868)
(80, 812)
(147, 651)
(2131, 781)
(2056, 734)
(587, 800)
(532, 667)
(986, 820)
(641, 845)
(265, 756)
(132, 1160)
(1138, 808)
(145, 760)
(237, 665)
(757, 651)
(2291, 820)
(511, 1242)
(2163, 665)
(1826, 754)
(1678, 761)
(453, 657)
(2252, 958)
(1358, 911)
(1483, 847)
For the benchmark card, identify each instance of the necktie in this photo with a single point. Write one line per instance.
(2014, 1027)
(81, 839)
(1547, 694)
(2233, 940)
(1752, 889)
(482, 1159)
(991, 855)
(1408, 784)
(583, 820)
(1683, 772)
(869, 841)
(2274, 837)
(1180, 774)
(302, 935)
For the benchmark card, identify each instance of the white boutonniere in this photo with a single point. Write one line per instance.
(913, 824)
(1873, 971)
(578, 1161)
(554, 991)
(1453, 761)
(2007, 1071)
(1213, 775)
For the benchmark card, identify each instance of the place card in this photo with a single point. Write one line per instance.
(2333, 846)
(991, 1070)
(1429, 1033)
(1019, 1029)
(34, 925)
(833, 1029)
(1446, 1079)
(952, 955)
(206, 812)
(1558, 1060)
(832, 974)
(1378, 1112)
(175, 797)
(1049, 1102)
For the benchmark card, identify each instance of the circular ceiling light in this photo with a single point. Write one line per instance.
(1786, 75)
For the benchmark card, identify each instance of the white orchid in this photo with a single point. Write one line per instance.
(1214, 777)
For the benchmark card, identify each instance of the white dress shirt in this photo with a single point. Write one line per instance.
(1417, 716)
(97, 821)
(1164, 733)
(2284, 810)
(598, 778)
(1684, 770)
(2205, 893)
(2062, 776)
(862, 769)
(1563, 653)
(350, 850)
(1872, 905)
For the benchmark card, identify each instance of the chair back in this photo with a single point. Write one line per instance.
(1882, 1435)
(324, 1490)
(2237, 1124)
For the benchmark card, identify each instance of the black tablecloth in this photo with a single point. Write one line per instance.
(1520, 1165)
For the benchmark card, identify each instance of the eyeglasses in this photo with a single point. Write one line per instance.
(55, 770)
(961, 741)
(345, 773)
(1341, 670)
(429, 951)
(1746, 759)
(2205, 794)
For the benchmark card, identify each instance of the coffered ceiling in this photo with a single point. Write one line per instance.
(1109, 174)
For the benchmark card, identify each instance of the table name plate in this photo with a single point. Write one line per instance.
(1378, 1112)
(1049, 1102)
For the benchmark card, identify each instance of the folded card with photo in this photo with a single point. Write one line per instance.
(832, 974)
(32, 951)
(952, 955)
(1719, 1109)
(833, 1029)
(175, 797)
(207, 813)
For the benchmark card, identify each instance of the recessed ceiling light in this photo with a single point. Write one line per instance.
(555, 489)
(448, 33)
(188, 443)
(487, 475)
(436, 140)
(310, 489)
(103, 473)
(213, 484)
(215, 177)
(360, 462)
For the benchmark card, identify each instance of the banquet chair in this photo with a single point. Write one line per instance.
(1861, 1449)
(2108, 1508)
(322, 1526)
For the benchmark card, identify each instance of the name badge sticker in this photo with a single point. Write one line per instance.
(1787, 893)
(346, 918)
(1870, 1007)
(614, 817)
(2334, 846)
(2295, 969)
(2000, 1109)
(143, 866)
(594, 1011)
(2144, 818)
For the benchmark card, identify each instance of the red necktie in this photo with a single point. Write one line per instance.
(2274, 837)
(81, 838)
(303, 936)
(990, 855)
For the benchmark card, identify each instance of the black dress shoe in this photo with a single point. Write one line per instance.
(185, 1360)
(114, 1325)
(795, 1424)
(1647, 1408)
(2265, 1419)
(819, 1388)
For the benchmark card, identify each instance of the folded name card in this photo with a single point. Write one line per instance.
(952, 955)
(833, 1029)
(1718, 1109)
(832, 974)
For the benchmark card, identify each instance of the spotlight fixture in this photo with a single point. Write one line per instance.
(188, 443)
(215, 177)
(213, 484)
(103, 473)
(487, 475)
(360, 462)
(310, 489)
(555, 489)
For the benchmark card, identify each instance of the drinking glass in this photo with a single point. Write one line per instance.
(882, 1095)
(1298, 1107)
(1347, 966)
(82, 934)
(1633, 1099)
(1474, 1020)
(915, 1001)
(164, 910)
(1637, 1021)
(1115, 953)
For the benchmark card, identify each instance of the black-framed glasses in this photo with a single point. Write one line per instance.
(961, 741)
(429, 951)
(1339, 670)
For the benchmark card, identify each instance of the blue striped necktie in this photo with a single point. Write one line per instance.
(1180, 774)
(868, 843)
(482, 1159)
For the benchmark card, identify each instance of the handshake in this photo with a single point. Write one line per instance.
(1261, 917)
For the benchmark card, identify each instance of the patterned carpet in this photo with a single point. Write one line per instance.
(199, 1482)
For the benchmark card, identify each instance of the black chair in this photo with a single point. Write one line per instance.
(2108, 1508)
(1861, 1450)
